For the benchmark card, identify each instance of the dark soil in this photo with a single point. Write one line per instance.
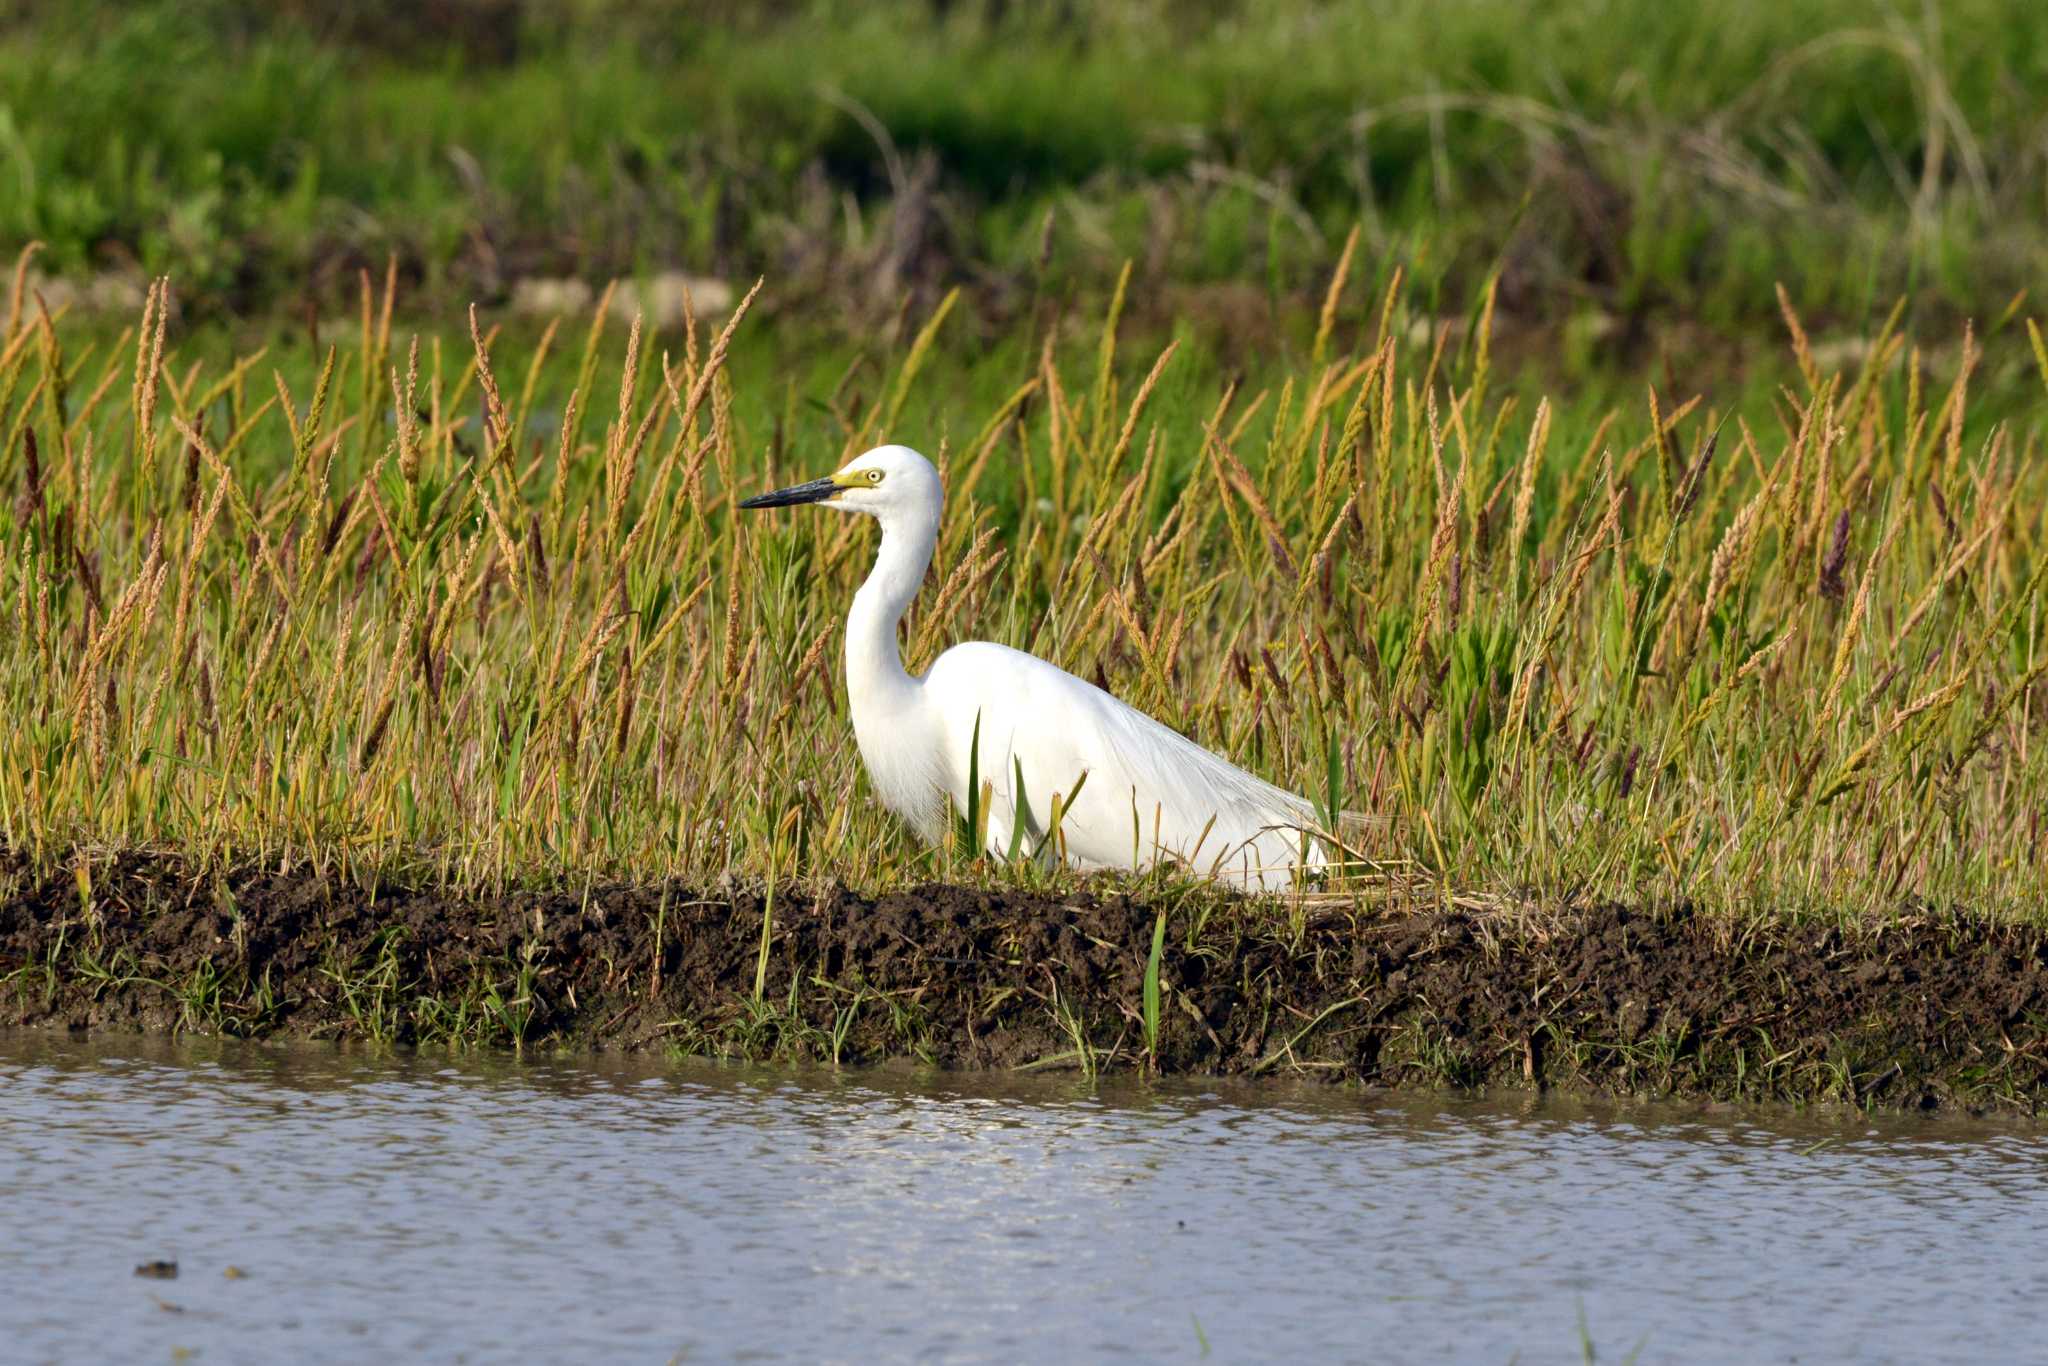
(1926, 1011)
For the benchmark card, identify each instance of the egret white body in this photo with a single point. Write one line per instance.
(1149, 792)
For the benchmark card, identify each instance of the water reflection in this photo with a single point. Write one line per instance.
(486, 1207)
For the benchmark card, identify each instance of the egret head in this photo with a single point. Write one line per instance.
(888, 483)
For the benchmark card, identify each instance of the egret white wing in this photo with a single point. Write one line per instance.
(1149, 791)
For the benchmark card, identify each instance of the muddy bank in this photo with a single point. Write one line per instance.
(1926, 1012)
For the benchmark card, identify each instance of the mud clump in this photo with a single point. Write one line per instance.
(1929, 1011)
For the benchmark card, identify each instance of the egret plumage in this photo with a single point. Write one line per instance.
(1132, 791)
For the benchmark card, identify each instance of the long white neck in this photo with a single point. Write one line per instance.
(874, 666)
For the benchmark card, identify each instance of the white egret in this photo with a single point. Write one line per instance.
(1148, 794)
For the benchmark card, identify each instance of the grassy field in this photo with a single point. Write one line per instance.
(1626, 159)
(483, 614)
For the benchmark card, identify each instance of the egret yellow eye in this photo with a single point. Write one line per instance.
(874, 476)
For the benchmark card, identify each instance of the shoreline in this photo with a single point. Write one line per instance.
(1931, 1011)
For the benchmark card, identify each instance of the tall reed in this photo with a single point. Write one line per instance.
(426, 621)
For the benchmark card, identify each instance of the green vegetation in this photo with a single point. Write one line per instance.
(1629, 159)
(478, 617)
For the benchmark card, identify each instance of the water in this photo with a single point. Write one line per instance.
(423, 1208)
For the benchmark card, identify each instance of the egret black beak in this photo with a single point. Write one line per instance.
(817, 491)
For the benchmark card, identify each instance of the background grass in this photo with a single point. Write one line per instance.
(1627, 158)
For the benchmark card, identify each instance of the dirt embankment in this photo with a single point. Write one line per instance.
(1928, 1011)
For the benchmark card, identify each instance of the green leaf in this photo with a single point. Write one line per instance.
(1020, 812)
(1152, 982)
(970, 822)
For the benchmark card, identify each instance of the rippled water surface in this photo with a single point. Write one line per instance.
(394, 1206)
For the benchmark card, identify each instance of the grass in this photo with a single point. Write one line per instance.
(1616, 159)
(477, 618)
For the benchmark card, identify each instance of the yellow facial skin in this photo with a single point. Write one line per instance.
(857, 479)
